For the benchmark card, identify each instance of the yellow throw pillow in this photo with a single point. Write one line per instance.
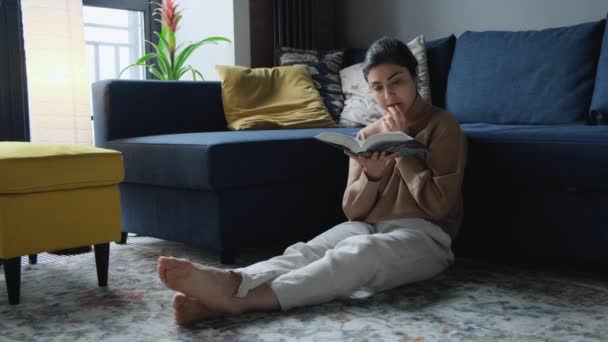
(267, 98)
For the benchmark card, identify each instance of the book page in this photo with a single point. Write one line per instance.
(386, 137)
(346, 141)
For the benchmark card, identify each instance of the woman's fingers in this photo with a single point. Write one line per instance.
(390, 156)
(386, 123)
(387, 155)
(356, 157)
(389, 122)
(396, 118)
(374, 157)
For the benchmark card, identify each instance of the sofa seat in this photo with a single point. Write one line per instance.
(225, 160)
(543, 157)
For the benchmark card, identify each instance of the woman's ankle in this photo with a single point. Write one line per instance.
(237, 279)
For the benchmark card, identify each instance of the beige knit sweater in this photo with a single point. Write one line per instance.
(425, 186)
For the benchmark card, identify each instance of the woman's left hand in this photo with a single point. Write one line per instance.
(395, 120)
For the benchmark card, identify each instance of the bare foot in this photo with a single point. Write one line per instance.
(189, 310)
(212, 287)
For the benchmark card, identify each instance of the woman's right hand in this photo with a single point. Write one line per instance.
(374, 165)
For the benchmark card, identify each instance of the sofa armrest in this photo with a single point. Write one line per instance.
(131, 108)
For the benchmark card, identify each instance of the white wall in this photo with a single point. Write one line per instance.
(364, 21)
(242, 39)
(206, 18)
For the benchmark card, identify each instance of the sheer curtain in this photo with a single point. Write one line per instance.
(57, 76)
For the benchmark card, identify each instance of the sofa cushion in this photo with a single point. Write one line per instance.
(360, 106)
(269, 98)
(439, 54)
(423, 82)
(221, 160)
(599, 103)
(38, 167)
(541, 157)
(324, 67)
(527, 77)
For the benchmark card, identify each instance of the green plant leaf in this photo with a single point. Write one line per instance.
(163, 51)
(195, 72)
(181, 58)
(145, 57)
(162, 60)
(164, 65)
(141, 61)
(181, 73)
(157, 73)
(162, 40)
(179, 47)
(216, 39)
(171, 47)
(185, 54)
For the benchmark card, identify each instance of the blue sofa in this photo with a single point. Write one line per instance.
(536, 185)
(189, 179)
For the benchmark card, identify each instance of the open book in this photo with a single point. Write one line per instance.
(381, 142)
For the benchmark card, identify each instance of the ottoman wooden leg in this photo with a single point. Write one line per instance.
(123, 238)
(102, 261)
(12, 273)
(33, 259)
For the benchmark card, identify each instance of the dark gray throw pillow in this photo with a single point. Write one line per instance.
(324, 67)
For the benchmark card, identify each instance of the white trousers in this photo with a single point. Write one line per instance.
(349, 257)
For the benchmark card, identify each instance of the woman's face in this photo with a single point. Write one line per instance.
(392, 85)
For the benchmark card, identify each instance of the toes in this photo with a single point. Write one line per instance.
(179, 300)
(161, 272)
(161, 267)
(164, 262)
(188, 310)
(169, 268)
(171, 263)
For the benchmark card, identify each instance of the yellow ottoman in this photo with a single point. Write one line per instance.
(56, 197)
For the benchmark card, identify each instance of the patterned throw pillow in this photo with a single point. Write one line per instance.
(324, 67)
(360, 107)
(423, 81)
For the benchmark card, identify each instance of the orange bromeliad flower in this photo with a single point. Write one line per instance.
(170, 15)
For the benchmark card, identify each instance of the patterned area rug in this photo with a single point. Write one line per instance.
(470, 302)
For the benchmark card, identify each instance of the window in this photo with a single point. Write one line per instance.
(115, 32)
(114, 39)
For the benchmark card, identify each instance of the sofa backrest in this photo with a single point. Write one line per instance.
(132, 108)
(526, 77)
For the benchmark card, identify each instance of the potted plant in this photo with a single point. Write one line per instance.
(168, 61)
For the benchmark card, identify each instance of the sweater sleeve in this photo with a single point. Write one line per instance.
(361, 193)
(435, 181)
